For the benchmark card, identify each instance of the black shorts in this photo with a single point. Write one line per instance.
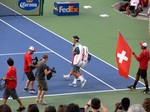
(142, 73)
(30, 76)
(10, 92)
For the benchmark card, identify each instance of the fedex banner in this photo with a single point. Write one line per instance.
(66, 8)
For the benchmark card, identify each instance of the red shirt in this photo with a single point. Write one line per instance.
(11, 73)
(143, 59)
(27, 62)
(144, 3)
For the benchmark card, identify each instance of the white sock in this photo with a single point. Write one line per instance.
(75, 81)
(81, 78)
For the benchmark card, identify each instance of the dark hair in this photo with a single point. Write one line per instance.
(5, 108)
(10, 62)
(76, 38)
(61, 108)
(125, 103)
(95, 103)
(50, 109)
(45, 56)
(146, 104)
(33, 108)
(72, 108)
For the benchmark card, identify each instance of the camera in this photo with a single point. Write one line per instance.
(52, 71)
(81, 109)
(34, 62)
(120, 107)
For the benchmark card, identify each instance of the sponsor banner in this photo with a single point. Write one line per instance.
(28, 4)
(66, 8)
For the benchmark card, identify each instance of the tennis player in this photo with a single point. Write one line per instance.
(76, 72)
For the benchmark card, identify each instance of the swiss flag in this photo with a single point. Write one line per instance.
(123, 56)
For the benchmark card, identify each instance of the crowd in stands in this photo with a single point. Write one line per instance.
(123, 105)
(93, 105)
(133, 7)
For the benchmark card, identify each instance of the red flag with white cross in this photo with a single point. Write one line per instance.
(123, 56)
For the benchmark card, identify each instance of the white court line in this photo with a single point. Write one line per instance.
(71, 43)
(64, 94)
(82, 69)
(9, 54)
(55, 52)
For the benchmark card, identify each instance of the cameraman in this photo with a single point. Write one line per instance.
(42, 71)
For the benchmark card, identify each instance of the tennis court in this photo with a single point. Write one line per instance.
(101, 75)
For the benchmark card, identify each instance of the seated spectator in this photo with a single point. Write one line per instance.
(33, 108)
(95, 105)
(72, 108)
(134, 3)
(144, 3)
(136, 108)
(135, 7)
(123, 105)
(146, 104)
(61, 108)
(50, 109)
(5, 108)
(124, 7)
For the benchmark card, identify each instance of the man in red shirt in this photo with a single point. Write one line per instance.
(28, 70)
(11, 84)
(143, 59)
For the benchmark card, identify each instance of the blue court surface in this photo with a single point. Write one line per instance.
(18, 33)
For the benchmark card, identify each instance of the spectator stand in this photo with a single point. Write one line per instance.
(142, 15)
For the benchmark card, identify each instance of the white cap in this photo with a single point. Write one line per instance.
(144, 44)
(32, 48)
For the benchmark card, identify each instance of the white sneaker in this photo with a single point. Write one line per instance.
(78, 79)
(25, 89)
(42, 102)
(148, 92)
(37, 101)
(66, 76)
(83, 83)
(72, 85)
(32, 91)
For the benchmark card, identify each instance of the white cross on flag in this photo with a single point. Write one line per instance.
(123, 56)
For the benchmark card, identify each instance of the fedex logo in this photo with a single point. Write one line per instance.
(70, 9)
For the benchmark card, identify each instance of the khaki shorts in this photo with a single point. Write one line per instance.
(42, 85)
